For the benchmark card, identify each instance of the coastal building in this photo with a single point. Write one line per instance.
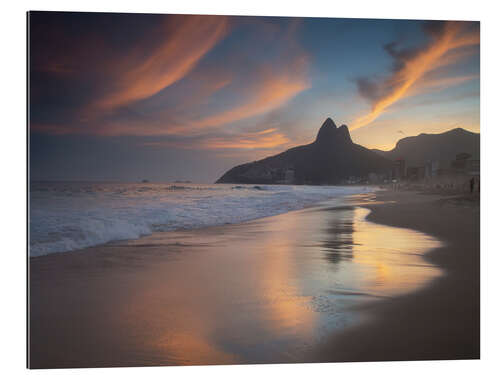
(453, 175)
(431, 168)
(378, 178)
(460, 162)
(463, 164)
(399, 169)
(352, 180)
(415, 173)
(473, 167)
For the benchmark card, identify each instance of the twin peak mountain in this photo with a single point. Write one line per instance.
(331, 159)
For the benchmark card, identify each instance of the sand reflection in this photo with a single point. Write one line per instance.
(268, 291)
(392, 257)
(265, 291)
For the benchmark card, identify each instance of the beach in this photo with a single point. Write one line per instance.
(377, 276)
(442, 320)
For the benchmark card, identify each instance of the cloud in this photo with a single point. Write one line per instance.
(264, 139)
(172, 60)
(411, 67)
(238, 82)
(273, 89)
(261, 91)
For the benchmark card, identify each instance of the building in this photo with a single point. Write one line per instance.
(473, 167)
(464, 165)
(415, 173)
(431, 168)
(399, 169)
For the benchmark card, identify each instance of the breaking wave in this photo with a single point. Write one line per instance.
(71, 216)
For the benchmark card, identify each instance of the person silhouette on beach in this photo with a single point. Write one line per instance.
(471, 182)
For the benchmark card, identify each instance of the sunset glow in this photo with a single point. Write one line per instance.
(175, 57)
(164, 85)
(415, 68)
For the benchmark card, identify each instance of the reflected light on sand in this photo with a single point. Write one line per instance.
(265, 291)
(289, 308)
(393, 256)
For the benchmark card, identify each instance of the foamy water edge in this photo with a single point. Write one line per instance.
(73, 216)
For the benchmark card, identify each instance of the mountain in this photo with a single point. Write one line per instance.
(443, 147)
(331, 159)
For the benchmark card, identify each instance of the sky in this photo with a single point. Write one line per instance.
(126, 97)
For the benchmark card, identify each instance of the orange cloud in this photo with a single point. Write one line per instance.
(273, 92)
(212, 95)
(270, 91)
(265, 139)
(260, 140)
(437, 54)
(170, 62)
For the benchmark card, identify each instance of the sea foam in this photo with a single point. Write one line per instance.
(71, 216)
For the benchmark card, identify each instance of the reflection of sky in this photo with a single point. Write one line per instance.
(267, 291)
(170, 97)
(289, 292)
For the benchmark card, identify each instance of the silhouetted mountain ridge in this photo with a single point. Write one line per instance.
(331, 159)
(417, 150)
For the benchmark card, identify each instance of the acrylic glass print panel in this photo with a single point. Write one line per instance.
(244, 190)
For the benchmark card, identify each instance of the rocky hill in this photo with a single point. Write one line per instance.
(331, 159)
(443, 147)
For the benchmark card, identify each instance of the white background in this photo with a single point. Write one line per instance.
(13, 168)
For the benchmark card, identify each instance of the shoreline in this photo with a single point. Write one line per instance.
(118, 265)
(441, 321)
(139, 224)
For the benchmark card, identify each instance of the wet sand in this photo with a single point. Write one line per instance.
(321, 284)
(441, 321)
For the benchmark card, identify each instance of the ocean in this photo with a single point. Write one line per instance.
(67, 216)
